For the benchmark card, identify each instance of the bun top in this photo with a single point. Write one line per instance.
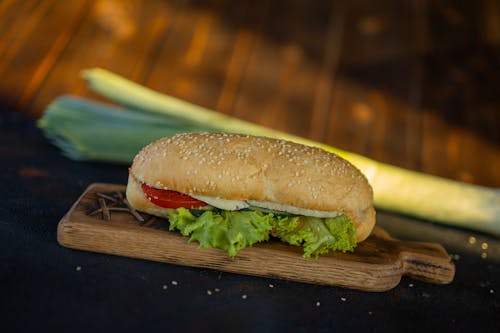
(243, 167)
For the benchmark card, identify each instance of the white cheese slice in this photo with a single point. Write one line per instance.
(222, 203)
(272, 206)
(292, 209)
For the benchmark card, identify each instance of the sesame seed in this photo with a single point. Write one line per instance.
(174, 283)
(244, 296)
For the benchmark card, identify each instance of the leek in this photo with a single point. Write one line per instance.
(87, 130)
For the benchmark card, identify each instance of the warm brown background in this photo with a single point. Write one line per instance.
(411, 83)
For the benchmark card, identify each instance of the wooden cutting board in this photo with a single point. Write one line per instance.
(377, 264)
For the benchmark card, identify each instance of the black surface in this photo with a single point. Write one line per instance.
(45, 286)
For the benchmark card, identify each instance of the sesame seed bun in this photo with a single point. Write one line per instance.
(242, 167)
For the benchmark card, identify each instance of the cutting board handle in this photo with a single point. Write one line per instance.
(427, 262)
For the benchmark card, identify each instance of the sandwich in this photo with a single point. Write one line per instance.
(230, 191)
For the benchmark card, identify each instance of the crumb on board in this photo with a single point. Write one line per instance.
(318, 303)
(174, 283)
(78, 268)
(209, 292)
(164, 287)
(343, 299)
(244, 296)
(271, 285)
(217, 290)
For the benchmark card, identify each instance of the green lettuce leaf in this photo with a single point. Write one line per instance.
(235, 230)
(317, 235)
(227, 230)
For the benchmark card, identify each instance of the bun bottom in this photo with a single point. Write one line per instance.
(365, 227)
(139, 201)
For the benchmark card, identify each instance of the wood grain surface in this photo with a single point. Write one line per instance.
(410, 83)
(376, 264)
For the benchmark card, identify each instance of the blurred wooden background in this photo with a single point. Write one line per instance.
(412, 83)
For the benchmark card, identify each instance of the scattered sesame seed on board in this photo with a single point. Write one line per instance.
(174, 283)
(78, 268)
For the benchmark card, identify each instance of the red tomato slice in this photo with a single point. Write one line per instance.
(171, 199)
